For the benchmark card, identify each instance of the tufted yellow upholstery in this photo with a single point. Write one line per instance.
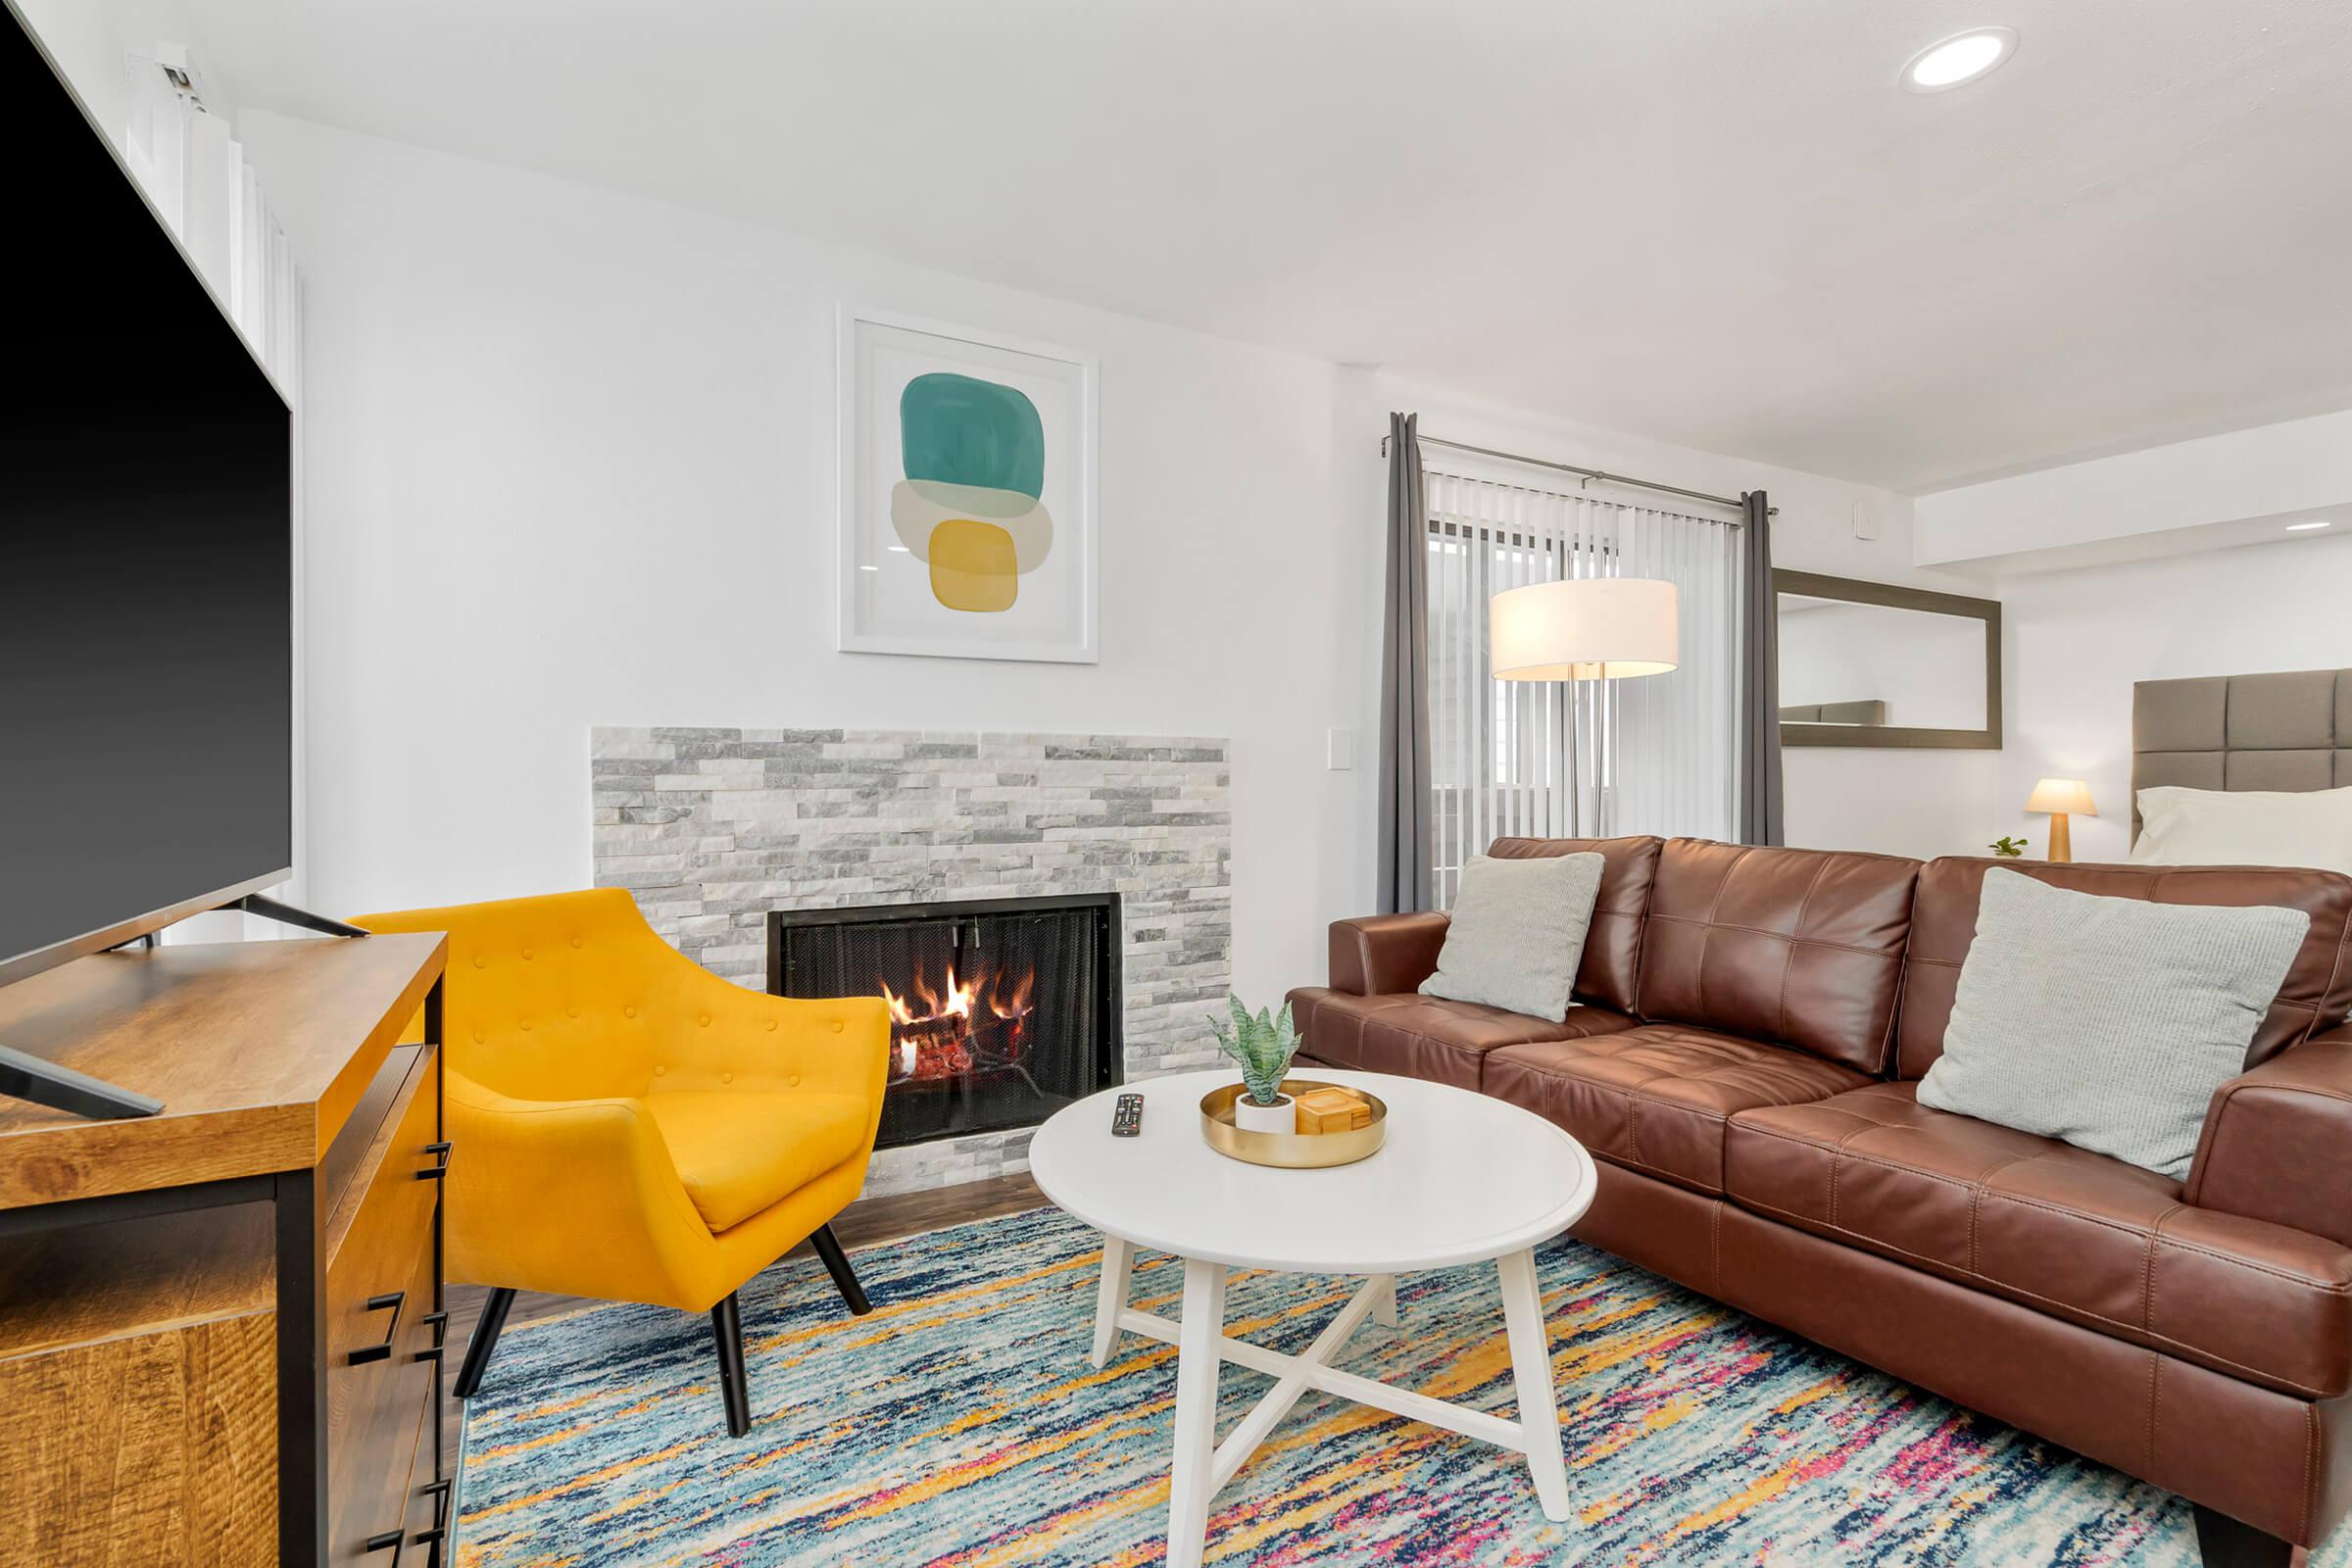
(625, 1124)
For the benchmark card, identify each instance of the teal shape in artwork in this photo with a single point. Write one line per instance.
(961, 430)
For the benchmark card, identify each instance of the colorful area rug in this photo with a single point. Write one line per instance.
(961, 1425)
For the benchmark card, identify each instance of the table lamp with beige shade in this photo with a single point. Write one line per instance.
(1584, 630)
(2062, 798)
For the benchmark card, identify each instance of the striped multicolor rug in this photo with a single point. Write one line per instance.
(961, 1425)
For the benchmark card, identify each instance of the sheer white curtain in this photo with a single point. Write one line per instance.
(1585, 759)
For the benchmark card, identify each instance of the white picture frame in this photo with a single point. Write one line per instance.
(1018, 580)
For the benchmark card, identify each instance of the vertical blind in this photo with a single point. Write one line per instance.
(196, 175)
(1574, 758)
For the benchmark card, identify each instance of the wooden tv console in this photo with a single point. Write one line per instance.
(220, 1326)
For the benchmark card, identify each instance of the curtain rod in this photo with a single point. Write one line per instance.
(1732, 501)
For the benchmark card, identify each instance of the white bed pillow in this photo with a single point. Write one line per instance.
(2181, 826)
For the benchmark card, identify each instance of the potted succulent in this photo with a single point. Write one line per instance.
(1264, 1047)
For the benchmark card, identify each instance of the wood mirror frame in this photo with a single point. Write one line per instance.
(1850, 590)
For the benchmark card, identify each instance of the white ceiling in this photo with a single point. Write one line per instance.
(1718, 222)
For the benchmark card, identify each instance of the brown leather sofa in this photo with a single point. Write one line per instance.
(1753, 1025)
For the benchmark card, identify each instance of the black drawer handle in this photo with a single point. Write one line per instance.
(438, 1322)
(438, 1490)
(389, 1538)
(440, 1165)
(389, 1302)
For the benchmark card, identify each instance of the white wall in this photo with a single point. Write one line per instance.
(571, 465)
(2079, 639)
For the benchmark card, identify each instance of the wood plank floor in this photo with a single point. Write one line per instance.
(864, 1223)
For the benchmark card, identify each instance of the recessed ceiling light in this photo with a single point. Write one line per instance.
(2305, 528)
(869, 568)
(899, 550)
(1958, 59)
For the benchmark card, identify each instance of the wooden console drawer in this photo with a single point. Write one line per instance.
(383, 1332)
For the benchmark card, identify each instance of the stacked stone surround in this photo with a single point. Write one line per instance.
(713, 829)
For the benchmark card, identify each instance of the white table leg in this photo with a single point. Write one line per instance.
(1198, 1336)
(1384, 1304)
(1531, 1370)
(1110, 1298)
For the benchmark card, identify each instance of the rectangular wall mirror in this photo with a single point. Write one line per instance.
(1864, 664)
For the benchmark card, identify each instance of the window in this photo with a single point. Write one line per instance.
(1581, 758)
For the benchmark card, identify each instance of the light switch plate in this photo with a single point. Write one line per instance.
(1340, 750)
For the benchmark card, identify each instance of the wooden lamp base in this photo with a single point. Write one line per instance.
(2062, 849)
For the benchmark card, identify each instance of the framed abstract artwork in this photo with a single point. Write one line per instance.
(967, 493)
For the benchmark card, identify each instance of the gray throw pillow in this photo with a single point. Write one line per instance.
(1518, 933)
(2107, 1023)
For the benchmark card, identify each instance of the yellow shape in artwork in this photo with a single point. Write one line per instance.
(973, 565)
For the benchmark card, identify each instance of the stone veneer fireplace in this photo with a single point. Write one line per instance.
(714, 829)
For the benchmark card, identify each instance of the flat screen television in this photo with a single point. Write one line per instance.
(146, 591)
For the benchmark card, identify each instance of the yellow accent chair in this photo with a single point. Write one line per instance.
(628, 1126)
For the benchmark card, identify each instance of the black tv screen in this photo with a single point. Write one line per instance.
(146, 596)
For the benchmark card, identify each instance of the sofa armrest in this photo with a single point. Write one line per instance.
(2278, 1141)
(1380, 954)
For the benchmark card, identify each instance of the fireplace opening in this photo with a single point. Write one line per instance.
(1002, 1010)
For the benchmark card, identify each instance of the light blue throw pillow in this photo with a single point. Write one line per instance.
(2107, 1023)
(1517, 933)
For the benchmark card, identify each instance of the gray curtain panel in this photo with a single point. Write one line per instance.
(1759, 678)
(1405, 877)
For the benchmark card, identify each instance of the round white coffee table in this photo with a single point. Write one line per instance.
(1461, 1179)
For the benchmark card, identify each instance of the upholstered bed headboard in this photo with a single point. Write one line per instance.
(2242, 732)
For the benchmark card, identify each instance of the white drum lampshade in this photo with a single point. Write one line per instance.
(1583, 628)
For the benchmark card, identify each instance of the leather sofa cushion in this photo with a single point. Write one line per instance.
(1800, 948)
(2078, 1234)
(1656, 1098)
(2318, 991)
(737, 1152)
(1425, 1036)
(1612, 961)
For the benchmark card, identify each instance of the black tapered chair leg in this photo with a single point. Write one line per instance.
(726, 1327)
(837, 1264)
(485, 1339)
(2227, 1543)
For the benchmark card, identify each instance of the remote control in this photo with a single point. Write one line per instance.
(1128, 1119)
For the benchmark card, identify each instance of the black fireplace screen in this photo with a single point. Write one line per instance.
(1003, 1010)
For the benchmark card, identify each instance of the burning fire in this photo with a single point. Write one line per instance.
(943, 1032)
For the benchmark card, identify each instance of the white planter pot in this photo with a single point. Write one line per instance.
(1252, 1117)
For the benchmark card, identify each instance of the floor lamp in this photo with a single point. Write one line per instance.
(1579, 630)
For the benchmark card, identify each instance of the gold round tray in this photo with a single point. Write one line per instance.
(1291, 1150)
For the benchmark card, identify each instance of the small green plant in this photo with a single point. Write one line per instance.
(1264, 1046)
(2007, 848)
